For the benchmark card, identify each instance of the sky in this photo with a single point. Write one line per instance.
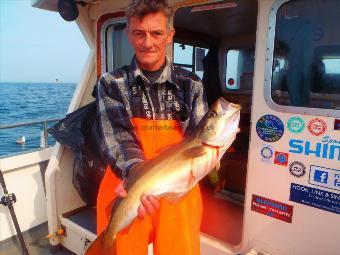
(38, 45)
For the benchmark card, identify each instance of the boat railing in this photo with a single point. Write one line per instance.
(33, 123)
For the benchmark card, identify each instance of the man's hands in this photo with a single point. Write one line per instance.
(149, 203)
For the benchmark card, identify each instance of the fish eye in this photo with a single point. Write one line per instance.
(212, 114)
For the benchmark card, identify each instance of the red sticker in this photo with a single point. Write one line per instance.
(317, 126)
(272, 208)
(281, 158)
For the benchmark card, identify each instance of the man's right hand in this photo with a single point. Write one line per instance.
(120, 191)
(149, 204)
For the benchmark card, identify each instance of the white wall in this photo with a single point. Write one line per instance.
(23, 177)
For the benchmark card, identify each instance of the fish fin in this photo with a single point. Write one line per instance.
(97, 247)
(195, 152)
(213, 177)
(174, 197)
(191, 180)
(217, 166)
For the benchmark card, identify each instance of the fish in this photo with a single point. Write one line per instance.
(175, 171)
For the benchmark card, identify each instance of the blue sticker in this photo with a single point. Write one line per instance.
(324, 177)
(321, 199)
(269, 128)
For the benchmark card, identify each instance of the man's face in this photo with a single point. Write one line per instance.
(149, 37)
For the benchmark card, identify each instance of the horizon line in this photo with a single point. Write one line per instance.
(37, 82)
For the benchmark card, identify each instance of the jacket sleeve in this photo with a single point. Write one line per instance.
(118, 142)
(199, 105)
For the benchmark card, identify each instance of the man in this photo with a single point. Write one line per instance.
(143, 108)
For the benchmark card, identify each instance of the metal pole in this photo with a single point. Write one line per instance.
(8, 201)
(45, 134)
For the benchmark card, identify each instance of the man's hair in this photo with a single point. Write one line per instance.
(140, 8)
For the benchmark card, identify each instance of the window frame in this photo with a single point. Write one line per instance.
(103, 42)
(193, 66)
(268, 72)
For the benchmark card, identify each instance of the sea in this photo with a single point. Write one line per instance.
(30, 102)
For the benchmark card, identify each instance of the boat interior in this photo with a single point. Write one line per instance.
(222, 202)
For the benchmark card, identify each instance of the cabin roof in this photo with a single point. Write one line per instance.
(50, 5)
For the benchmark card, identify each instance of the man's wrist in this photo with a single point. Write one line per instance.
(133, 167)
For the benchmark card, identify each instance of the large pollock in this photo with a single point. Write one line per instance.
(175, 171)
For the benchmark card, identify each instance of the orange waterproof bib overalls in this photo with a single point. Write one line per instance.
(174, 228)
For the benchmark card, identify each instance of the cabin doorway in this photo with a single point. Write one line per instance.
(217, 42)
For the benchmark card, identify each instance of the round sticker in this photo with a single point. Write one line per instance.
(295, 125)
(281, 158)
(317, 126)
(269, 128)
(297, 169)
(266, 152)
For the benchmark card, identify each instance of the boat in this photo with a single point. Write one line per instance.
(280, 193)
(21, 140)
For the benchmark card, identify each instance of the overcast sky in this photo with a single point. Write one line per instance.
(38, 45)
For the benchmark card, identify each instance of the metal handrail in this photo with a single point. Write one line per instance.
(28, 123)
(44, 122)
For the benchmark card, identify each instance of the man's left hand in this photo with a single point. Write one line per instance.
(149, 205)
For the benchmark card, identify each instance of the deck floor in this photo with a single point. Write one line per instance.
(35, 241)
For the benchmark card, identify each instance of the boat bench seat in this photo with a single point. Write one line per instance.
(85, 217)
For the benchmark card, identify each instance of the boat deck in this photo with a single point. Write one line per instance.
(35, 241)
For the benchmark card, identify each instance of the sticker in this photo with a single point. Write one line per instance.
(272, 208)
(324, 177)
(297, 169)
(267, 153)
(327, 148)
(317, 126)
(336, 124)
(281, 158)
(295, 125)
(321, 199)
(269, 128)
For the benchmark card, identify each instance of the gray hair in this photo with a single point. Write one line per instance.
(140, 8)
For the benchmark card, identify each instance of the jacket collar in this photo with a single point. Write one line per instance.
(168, 74)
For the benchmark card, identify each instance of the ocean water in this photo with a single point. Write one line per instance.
(29, 102)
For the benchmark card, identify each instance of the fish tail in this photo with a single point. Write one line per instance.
(97, 247)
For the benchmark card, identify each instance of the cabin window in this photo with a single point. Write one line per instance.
(306, 58)
(239, 69)
(190, 57)
(117, 49)
(332, 65)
